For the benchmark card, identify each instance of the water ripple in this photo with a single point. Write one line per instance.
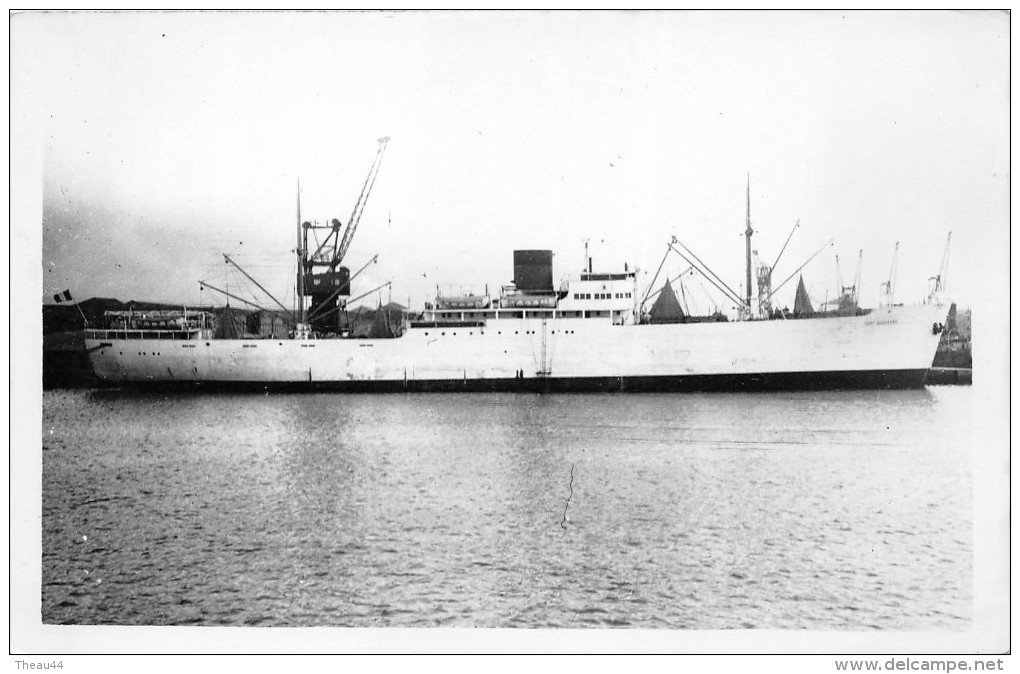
(787, 511)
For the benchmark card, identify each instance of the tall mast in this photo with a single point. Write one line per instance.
(300, 260)
(747, 234)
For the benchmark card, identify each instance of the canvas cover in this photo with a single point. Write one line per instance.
(802, 303)
(666, 308)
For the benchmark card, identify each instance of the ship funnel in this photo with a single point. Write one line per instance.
(533, 271)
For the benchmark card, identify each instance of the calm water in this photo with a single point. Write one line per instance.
(843, 510)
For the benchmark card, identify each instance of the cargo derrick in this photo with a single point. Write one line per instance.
(941, 280)
(763, 274)
(321, 274)
(888, 296)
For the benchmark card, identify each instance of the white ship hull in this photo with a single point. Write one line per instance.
(889, 347)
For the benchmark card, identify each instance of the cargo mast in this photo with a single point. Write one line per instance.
(747, 234)
(300, 261)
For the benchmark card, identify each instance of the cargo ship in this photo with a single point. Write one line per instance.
(592, 333)
(588, 336)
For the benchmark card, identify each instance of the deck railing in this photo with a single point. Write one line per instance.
(143, 334)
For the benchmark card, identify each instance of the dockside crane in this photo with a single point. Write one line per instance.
(359, 205)
(321, 273)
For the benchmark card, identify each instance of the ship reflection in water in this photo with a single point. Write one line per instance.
(837, 510)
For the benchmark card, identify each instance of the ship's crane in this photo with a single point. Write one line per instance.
(942, 278)
(889, 287)
(857, 276)
(847, 298)
(763, 274)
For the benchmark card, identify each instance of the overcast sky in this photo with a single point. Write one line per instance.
(167, 139)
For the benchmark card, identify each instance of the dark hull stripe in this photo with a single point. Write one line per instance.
(773, 381)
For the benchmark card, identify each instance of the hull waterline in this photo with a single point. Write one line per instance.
(888, 348)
